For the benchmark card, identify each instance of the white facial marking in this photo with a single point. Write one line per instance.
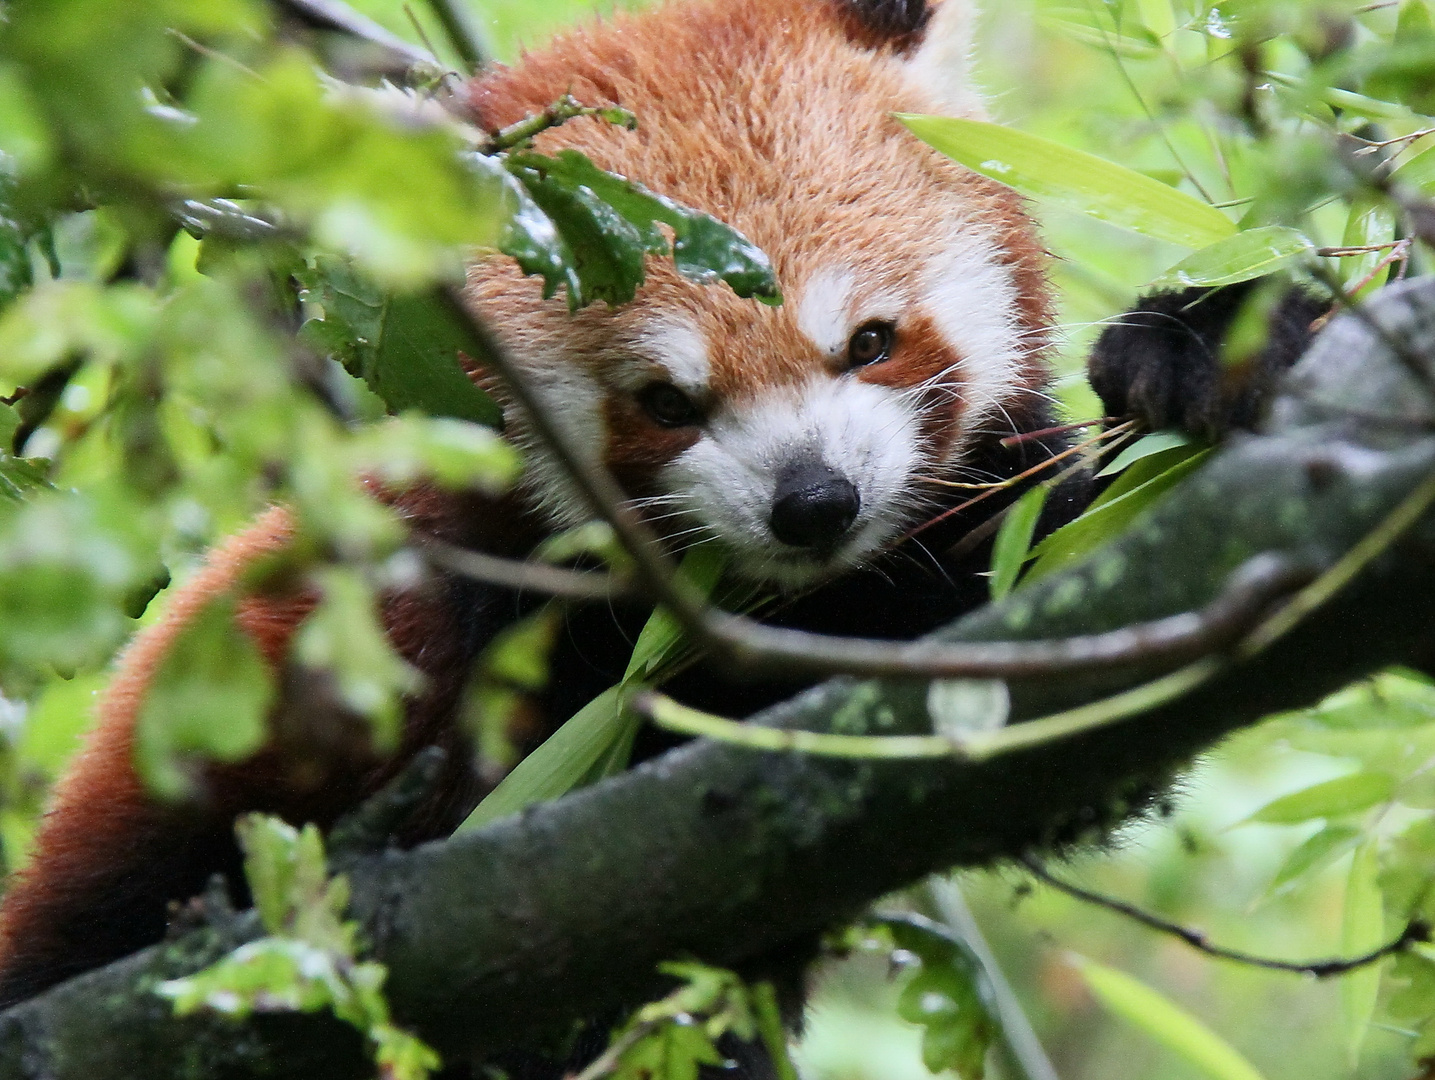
(822, 309)
(972, 300)
(682, 350)
(942, 65)
(573, 399)
(833, 304)
(726, 481)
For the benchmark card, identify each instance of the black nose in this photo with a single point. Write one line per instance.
(812, 506)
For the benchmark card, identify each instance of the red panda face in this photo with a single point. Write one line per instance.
(804, 437)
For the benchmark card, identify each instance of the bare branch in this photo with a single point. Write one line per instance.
(337, 16)
(523, 576)
(463, 34)
(1416, 932)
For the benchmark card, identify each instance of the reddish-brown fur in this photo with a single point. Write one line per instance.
(819, 171)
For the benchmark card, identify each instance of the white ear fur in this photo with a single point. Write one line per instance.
(941, 66)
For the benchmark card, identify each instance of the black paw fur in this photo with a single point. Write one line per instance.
(1162, 362)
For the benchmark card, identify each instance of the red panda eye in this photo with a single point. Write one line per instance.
(668, 405)
(871, 344)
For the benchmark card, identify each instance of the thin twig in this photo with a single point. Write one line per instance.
(522, 132)
(523, 576)
(337, 16)
(1027, 436)
(608, 1060)
(462, 33)
(1416, 931)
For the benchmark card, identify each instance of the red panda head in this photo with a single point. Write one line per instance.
(804, 437)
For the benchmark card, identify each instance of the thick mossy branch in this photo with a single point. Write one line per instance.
(499, 937)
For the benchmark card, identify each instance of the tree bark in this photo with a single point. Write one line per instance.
(498, 938)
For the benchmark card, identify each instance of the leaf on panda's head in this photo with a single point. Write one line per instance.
(590, 230)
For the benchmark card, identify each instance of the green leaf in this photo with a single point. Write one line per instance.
(1250, 254)
(1387, 700)
(948, 997)
(1158, 17)
(1371, 222)
(1111, 516)
(562, 762)
(1417, 171)
(1362, 930)
(404, 347)
(1158, 442)
(1313, 855)
(344, 638)
(1332, 798)
(589, 230)
(1094, 27)
(1074, 179)
(451, 453)
(1165, 1022)
(672, 1052)
(772, 1030)
(662, 636)
(209, 700)
(1013, 542)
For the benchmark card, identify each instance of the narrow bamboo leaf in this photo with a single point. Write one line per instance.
(1158, 17)
(661, 635)
(561, 763)
(1099, 37)
(1371, 222)
(1313, 855)
(1157, 442)
(1250, 254)
(1167, 1023)
(1417, 171)
(1362, 931)
(1332, 798)
(1014, 541)
(1105, 521)
(1075, 179)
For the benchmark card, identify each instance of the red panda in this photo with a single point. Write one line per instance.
(806, 438)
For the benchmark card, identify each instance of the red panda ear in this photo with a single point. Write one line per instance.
(898, 24)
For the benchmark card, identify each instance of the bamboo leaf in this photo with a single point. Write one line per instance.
(1013, 543)
(1158, 442)
(1314, 854)
(1332, 798)
(1362, 931)
(1250, 254)
(1074, 179)
(1167, 1023)
(561, 763)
